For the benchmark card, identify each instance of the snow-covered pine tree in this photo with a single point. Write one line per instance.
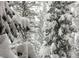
(60, 25)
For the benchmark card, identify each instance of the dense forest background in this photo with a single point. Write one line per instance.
(50, 26)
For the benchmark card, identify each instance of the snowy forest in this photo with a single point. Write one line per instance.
(39, 29)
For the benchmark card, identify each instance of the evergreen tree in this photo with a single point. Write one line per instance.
(61, 25)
